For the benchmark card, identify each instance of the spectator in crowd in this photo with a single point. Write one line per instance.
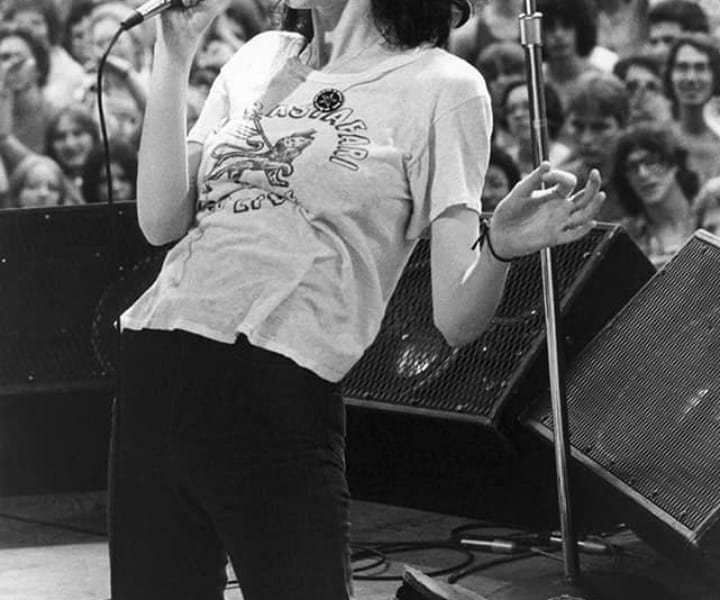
(77, 39)
(123, 170)
(706, 206)
(42, 19)
(497, 21)
(692, 78)
(38, 181)
(622, 25)
(125, 81)
(514, 133)
(668, 19)
(596, 115)
(71, 135)
(656, 187)
(570, 43)
(24, 111)
(501, 176)
(643, 78)
(499, 63)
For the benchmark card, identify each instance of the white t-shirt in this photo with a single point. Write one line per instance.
(305, 219)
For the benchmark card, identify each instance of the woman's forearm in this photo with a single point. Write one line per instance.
(164, 195)
(467, 286)
(466, 306)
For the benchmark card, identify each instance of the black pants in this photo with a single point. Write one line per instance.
(225, 450)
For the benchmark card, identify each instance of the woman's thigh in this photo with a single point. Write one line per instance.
(259, 442)
(162, 542)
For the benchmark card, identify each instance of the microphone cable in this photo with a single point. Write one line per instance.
(114, 236)
(113, 216)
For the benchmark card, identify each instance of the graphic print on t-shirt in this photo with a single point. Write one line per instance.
(251, 160)
(257, 153)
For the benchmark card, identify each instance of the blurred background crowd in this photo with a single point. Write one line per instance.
(633, 89)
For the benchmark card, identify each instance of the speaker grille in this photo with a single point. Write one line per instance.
(410, 365)
(644, 395)
(55, 268)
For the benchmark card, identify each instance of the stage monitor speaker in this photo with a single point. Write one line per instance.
(60, 270)
(64, 274)
(431, 426)
(644, 408)
(410, 368)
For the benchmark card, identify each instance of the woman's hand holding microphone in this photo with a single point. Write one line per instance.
(180, 31)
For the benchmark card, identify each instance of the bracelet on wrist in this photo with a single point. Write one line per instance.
(484, 238)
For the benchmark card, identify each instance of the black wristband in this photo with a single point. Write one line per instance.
(485, 237)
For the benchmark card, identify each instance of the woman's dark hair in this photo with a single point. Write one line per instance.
(554, 111)
(37, 48)
(702, 42)
(687, 14)
(79, 115)
(47, 8)
(93, 176)
(579, 14)
(403, 23)
(649, 62)
(661, 141)
(250, 15)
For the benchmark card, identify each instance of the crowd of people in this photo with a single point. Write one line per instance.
(50, 147)
(632, 89)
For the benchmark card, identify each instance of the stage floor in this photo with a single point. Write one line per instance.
(54, 547)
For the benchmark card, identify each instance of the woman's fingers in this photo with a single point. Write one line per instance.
(561, 183)
(580, 216)
(531, 182)
(588, 193)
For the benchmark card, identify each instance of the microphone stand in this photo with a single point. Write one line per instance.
(602, 585)
(531, 40)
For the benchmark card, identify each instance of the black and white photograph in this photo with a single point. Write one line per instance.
(360, 299)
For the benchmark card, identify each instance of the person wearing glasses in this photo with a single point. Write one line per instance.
(657, 188)
(293, 206)
(642, 75)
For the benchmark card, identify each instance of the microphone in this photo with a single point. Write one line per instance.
(148, 10)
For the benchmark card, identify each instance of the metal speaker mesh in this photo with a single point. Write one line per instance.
(411, 367)
(644, 395)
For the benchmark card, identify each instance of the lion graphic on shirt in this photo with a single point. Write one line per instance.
(259, 154)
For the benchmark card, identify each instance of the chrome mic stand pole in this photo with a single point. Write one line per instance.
(531, 40)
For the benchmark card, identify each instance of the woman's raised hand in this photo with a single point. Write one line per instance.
(180, 31)
(542, 211)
